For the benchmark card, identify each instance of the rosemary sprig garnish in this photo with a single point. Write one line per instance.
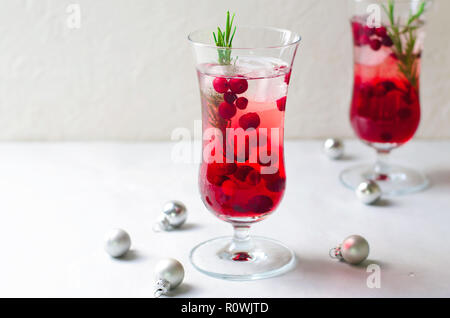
(404, 39)
(224, 41)
(213, 101)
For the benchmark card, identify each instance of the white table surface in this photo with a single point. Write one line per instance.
(58, 200)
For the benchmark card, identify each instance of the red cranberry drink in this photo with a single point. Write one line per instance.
(242, 175)
(243, 75)
(388, 37)
(385, 106)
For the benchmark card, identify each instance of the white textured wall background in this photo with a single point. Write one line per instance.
(128, 74)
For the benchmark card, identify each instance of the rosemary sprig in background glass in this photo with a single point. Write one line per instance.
(404, 38)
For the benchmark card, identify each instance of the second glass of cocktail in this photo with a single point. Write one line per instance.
(243, 78)
(385, 110)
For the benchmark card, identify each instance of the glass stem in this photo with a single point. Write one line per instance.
(241, 234)
(382, 168)
(241, 246)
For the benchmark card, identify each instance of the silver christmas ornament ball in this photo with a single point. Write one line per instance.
(175, 212)
(354, 250)
(333, 148)
(368, 192)
(173, 216)
(117, 242)
(169, 273)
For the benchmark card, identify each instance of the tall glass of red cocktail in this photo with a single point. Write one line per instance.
(242, 177)
(385, 109)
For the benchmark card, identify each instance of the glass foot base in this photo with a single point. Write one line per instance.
(397, 181)
(263, 258)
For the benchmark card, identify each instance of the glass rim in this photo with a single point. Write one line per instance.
(295, 42)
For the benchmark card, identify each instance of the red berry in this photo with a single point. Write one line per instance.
(253, 178)
(382, 88)
(249, 120)
(220, 84)
(404, 113)
(242, 172)
(229, 187)
(361, 34)
(271, 177)
(364, 39)
(222, 199)
(357, 29)
(379, 90)
(260, 204)
(229, 97)
(238, 85)
(365, 90)
(369, 31)
(274, 182)
(216, 179)
(215, 173)
(390, 86)
(387, 41)
(228, 168)
(381, 32)
(226, 110)
(238, 207)
(375, 44)
(276, 185)
(241, 103)
(281, 104)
